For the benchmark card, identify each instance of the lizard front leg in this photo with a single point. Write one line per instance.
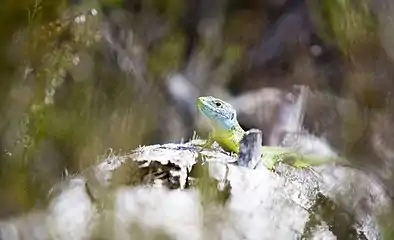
(207, 144)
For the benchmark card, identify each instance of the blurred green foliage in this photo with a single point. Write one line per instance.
(173, 9)
(55, 117)
(167, 57)
(348, 23)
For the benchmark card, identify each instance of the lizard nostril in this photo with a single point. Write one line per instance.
(218, 104)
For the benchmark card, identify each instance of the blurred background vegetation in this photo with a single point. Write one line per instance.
(79, 78)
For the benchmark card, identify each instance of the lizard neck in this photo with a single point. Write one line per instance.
(228, 139)
(238, 132)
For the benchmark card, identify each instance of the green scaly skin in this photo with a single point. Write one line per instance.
(227, 132)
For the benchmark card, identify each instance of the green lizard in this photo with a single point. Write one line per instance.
(227, 132)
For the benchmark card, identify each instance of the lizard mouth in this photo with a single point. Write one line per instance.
(204, 105)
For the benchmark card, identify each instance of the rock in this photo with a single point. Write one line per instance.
(180, 191)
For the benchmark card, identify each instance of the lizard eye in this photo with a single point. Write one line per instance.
(232, 116)
(218, 104)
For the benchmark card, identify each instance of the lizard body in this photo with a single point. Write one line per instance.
(227, 132)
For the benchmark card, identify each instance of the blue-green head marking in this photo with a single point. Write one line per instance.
(220, 114)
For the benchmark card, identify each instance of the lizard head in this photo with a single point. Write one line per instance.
(219, 113)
